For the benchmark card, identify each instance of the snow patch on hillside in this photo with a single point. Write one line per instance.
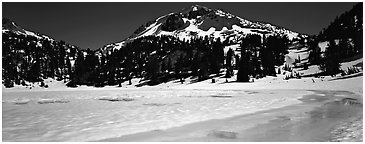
(301, 54)
(151, 30)
(323, 45)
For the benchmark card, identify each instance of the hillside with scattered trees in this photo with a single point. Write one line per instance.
(158, 59)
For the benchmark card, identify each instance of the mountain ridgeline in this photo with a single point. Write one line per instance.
(194, 42)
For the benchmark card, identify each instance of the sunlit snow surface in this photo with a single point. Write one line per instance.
(81, 116)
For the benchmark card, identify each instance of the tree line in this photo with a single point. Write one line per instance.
(153, 59)
(344, 37)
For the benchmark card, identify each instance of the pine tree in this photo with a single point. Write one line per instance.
(229, 71)
(61, 59)
(69, 68)
(33, 75)
(153, 69)
(169, 65)
(80, 68)
(203, 68)
(128, 69)
(345, 48)
(179, 67)
(268, 62)
(163, 66)
(331, 62)
(315, 52)
(243, 71)
(216, 57)
(242, 75)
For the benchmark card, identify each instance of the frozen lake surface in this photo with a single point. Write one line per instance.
(90, 115)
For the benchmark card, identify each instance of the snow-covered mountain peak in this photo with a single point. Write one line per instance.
(195, 8)
(200, 21)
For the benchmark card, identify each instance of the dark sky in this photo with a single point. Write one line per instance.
(92, 25)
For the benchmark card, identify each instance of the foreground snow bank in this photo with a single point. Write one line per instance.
(349, 131)
(88, 114)
(95, 115)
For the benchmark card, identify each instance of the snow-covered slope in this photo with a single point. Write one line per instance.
(9, 26)
(199, 21)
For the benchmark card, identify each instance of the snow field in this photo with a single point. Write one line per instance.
(86, 118)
